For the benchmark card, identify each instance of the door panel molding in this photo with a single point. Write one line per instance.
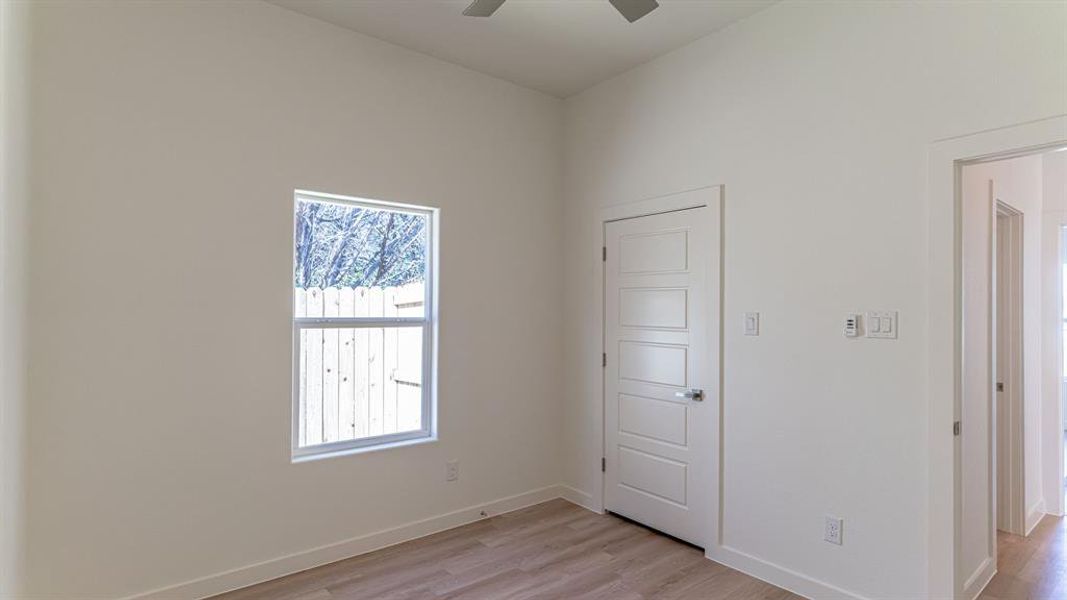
(639, 324)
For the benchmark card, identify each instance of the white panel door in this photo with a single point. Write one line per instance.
(661, 403)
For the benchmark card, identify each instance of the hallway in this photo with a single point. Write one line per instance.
(1033, 568)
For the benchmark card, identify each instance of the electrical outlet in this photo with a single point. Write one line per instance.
(833, 530)
(452, 470)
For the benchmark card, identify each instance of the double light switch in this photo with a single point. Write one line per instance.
(882, 324)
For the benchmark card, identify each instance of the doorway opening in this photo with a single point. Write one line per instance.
(1013, 374)
(950, 497)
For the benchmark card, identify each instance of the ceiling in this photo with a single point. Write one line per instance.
(560, 47)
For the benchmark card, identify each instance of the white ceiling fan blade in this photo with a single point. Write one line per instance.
(634, 9)
(482, 8)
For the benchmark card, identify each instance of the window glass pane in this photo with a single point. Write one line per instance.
(354, 261)
(359, 382)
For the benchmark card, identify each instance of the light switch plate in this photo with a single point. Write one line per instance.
(882, 324)
(752, 323)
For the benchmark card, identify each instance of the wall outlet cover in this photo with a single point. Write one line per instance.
(833, 530)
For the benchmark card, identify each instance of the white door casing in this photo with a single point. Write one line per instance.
(1007, 349)
(661, 318)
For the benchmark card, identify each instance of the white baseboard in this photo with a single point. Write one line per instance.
(285, 565)
(1034, 515)
(795, 582)
(976, 583)
(233, 579)
(574, 496)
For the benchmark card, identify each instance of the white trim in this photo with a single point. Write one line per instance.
(428, 323)
(285, 565)
(268, 570)
(943, 326)
(575, 496)
(1057, 416)
(777, 575)
(661, 204)
(1034, 515)
(357, 322)
(363, 202)
(1052, 427)
(1014, 377)
(374, 444)
(695, 198)
(981, 577)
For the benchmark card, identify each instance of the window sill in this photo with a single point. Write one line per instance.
(363, 449)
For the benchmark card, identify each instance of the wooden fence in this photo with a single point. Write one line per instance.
(359, 382)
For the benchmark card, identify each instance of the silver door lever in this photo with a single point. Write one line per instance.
(694, 395)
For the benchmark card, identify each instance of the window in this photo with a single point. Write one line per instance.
(363, 326)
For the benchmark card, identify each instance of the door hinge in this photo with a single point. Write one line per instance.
(603, 465)
(604, 253)
(1000, 386)
(604, 359)
(956, 428)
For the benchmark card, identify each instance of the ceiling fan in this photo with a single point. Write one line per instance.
(631, 9)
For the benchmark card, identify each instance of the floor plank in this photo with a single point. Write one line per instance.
(559, 550)
(545, 552)
(1031, 568)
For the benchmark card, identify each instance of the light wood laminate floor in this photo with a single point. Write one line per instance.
(553, 550)
(1031, 568)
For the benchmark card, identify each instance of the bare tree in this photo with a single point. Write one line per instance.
(348, 246)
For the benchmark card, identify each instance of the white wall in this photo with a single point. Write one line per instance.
(817, 118)
(1025, 194)
(977, 553)
(14, 191)
(167, 141)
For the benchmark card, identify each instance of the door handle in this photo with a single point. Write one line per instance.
(694, 395)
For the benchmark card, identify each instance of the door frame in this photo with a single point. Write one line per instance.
(1014, 380)
(1053, 232)
(1052, 406)
(944, 319)
(695, 198)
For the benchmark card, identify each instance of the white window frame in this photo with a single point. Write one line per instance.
(427, 322)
